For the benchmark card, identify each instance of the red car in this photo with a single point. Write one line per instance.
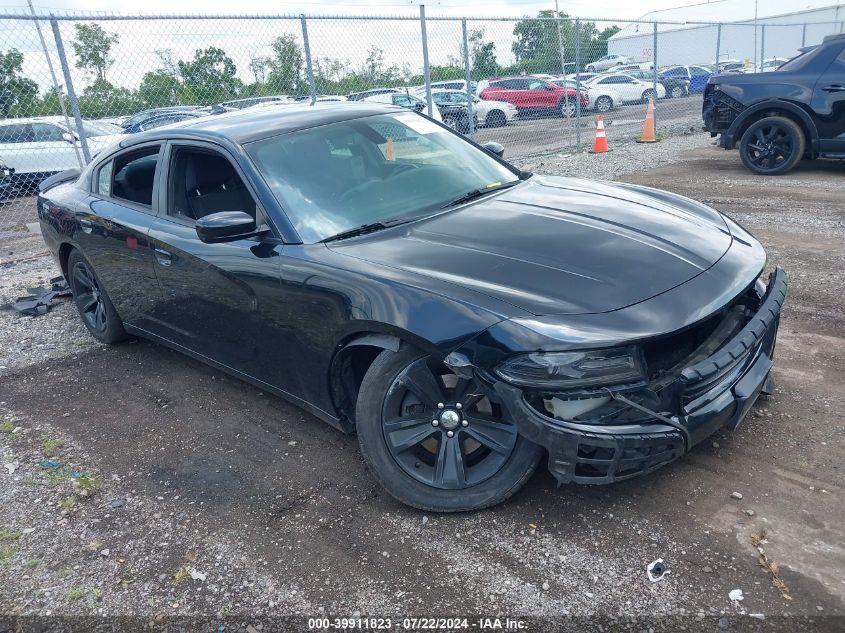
(534, 95)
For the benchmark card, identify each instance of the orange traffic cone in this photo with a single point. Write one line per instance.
(648, 126)
(600, 144)
(388, 152)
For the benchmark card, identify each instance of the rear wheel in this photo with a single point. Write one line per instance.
(772, 146)
(677, 92)
(604, 104)
(433, 440)
(496, 118)
(648, 94)
(95, 307)
(566, 107)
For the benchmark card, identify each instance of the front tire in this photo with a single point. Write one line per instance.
(496, 118)
(677, 92)
(649, 94)
(566, 108)
(604, 104)
(433, 440)
(92, 301)
(772, 146)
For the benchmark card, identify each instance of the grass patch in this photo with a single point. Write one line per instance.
(65, 572)
(68, 504)
(9, 535)
(6, 553)
(88, 485)
(125, 572)
(180, 576)
(51, 445)
(7, 426)
(97, 594)
(32, 563)
(75, 594)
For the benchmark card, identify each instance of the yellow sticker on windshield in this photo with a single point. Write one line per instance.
(494, 184)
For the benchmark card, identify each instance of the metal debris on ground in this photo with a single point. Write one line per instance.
(40, 300)
(771, 566)
(656, 570)
(736, 597)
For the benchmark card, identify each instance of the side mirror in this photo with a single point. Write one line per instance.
(494, 148)
(225, 225)
(70, 138)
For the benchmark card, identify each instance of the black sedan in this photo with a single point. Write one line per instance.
(399, 281)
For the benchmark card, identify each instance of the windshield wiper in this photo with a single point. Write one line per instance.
(477, 193)
(370, 227)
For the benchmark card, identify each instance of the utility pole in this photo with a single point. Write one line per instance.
(755, 36)
(559, 40)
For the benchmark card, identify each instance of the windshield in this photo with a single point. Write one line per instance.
(97, 128)
(336, 177)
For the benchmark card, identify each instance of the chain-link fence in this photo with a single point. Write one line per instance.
(71, 84)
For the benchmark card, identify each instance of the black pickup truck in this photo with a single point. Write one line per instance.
(777, 118)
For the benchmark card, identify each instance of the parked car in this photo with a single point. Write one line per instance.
(404, 100)
(773, 63)
(453, 84)
(697, 76)
(608, 61)
(38, 147)
(730, 65)
(629, 67)
(146, 114)
(7, 183)
(603, 100)
(463, 317)
(248, 102)
(157, 120)
(676, 87)
(583, 76)
(358, 96)
(487, 113)
(533, 95)
(778, 118)
(626, 87)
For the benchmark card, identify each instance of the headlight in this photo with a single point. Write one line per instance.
(573, 370)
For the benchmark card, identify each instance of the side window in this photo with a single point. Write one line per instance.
(203, 182)
(42, 132)
(134, 176)
(536, 84)
(104, 175)
(17, 133)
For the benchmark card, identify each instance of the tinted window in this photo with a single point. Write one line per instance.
(103, 183)
(17, 133)
(135, 175)
(204, 182)
(536, 84)
(46, 132)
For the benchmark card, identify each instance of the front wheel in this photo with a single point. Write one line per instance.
(604, 104)
(496, 118)
(434, 440)
(649, 94)
(566, 107)
(677, 92)
(772, 146)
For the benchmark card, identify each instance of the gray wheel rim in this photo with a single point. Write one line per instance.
(88, 297)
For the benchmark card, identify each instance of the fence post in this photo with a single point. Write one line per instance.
(468, 78)
(426, 68)
(56, 86)
(309, 69)
(578, 84)
(762, 47)
(718, 44)
(654, 75)
(74, 103)
(804, 35)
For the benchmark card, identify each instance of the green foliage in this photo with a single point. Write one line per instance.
(102, 99)
(75, 593)
(284, 66)
(9, 535)
(209, 78)
(92, 47)
(482, 55)
(18, 94)
(51, 445)
(7, 426)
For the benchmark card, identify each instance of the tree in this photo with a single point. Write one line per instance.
(102, 99)
(285, 64)
(161, 87)
(537, 48)
(210, 77)
(482, 55)
(17, 94)
(259, 66)
(93, 49)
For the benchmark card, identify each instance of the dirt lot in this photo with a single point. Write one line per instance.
(209, 498)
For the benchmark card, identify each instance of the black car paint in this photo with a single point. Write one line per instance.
(283, 315)
(813, 94)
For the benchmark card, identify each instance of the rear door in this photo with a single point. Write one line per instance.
(829, 106)
(114, 234)
(541, 95)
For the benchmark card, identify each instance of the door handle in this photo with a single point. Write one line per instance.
(163, 257)
(834, 88)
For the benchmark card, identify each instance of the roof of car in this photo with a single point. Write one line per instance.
(243, 126)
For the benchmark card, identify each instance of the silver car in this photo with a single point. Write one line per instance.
(608, 61)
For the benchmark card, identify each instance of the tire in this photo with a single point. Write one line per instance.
(566, 108)
(496, 118)
(93, 303)
(649, 94)
(604, 104)
(417, 461)
(677, 92)
(772, 146)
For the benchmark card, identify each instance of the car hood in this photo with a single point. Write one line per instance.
(558, 245)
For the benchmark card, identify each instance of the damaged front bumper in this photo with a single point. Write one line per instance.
(710, 394)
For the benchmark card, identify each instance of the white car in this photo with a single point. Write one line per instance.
(451, 84)
(603, 100)
(584, 76)
(634, 66)
(624, 88)
(38, 147)
(768, 65)
(409, 101)
(608, 61)
(487, 113)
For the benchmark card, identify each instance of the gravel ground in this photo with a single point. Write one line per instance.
(175, 490)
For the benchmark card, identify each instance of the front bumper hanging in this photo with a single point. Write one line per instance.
(714, 393)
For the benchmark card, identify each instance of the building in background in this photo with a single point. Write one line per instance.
(783, 26)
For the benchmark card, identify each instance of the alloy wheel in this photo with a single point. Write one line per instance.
(441, 430)
(567, 108)
(604, 104)
(88, 297)
(677, 92)
(771, 146)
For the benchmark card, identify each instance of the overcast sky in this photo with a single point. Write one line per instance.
(135, 54)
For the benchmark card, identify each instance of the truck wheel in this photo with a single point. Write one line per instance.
(772, 146)
(434, 440)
